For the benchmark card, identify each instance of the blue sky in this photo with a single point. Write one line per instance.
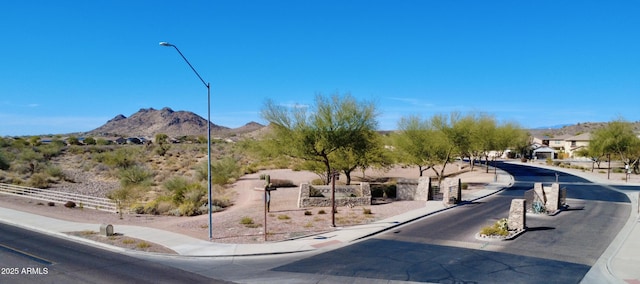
(69, 66)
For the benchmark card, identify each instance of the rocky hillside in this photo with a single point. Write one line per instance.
(576, 129)
(149, 122)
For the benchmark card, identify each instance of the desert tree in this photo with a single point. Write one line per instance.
(421, 143)
(162, 144)
(367, 153)
(617, 139)
(334, 123)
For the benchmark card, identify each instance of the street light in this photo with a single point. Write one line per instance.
(164, 43)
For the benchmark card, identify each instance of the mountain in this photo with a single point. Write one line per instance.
(149, 122)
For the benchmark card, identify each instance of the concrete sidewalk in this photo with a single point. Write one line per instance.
(620, 262)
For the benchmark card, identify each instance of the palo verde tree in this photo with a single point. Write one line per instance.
(424, 144)
(617, 139)
(336, 123)
(366, 153)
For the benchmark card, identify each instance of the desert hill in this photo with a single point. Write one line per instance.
(149, 122)
(575, 129)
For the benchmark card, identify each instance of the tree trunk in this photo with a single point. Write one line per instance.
(327, 165)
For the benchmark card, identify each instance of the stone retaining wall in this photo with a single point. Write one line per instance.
(344, 195)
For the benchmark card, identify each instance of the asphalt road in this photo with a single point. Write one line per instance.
(29, 257)
(443, 248)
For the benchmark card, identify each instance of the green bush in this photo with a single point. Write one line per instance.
(246, 221)
(283, 217)
(159, 206)
(38, 180)
(135, 175)
(188, 208)
(222, 171)
(499, 228)
(121, 158)
(55, 172)
(4, 162)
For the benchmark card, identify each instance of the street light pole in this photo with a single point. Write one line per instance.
(206, 84)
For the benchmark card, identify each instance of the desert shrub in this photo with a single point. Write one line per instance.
(499, 228)
(143, 245)
(121, 158)
(222, 171)
(128, 241)
(250, 169)
(366, 211)
(51, 203)
(465, 186)
(221, 202)
(38, 180)
(195, 194)
(317, 182)
(189, 208)
(89, 141)
(159, 206)
(177, 186)
(70, 204)
(137, 208)
(321, 211)
(135, 175)
(283, 217)
(308, 213)
(55, 172)
(124, 196)
(4, 162)
(50, 150)
(246, 221)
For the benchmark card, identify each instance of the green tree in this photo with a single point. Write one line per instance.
(423, 143)
(617, 139)
(368, 153)
(333, 124)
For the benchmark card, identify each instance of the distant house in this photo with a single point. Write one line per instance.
(544, 153)
(575, 143)
(565, 144)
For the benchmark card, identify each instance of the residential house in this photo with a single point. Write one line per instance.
(575, 143)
